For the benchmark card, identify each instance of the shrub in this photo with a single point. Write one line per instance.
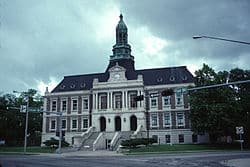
(54, 143)
(132, 143)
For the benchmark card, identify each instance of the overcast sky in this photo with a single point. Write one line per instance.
(42, 41)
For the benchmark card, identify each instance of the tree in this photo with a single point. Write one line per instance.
(12, 122)
(212, 110)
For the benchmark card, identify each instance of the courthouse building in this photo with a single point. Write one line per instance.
(99, 110)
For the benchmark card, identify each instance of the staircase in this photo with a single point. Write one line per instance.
(87, 145)
(124, 136)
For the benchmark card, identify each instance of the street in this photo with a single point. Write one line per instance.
(208, 159)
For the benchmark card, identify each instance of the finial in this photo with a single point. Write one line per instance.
(121, 17)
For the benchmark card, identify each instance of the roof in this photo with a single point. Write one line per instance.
(155, 76)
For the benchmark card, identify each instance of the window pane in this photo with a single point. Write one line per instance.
(118, 101)
(74, 106)
(74, 124)
(85, 123)
(180, 119)
(85, 104)
(167, 119)
(64, 124)
(154, 120)
(133, 103)
(168, 139)
(103, 102)
(181, 138)
(53, 105)
(64, 105)
(53, 124)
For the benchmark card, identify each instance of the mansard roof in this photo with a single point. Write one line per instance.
(151, 77)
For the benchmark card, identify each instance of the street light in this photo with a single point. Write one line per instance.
(222, 39)
(26, 122)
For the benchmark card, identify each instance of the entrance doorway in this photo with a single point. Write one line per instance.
(102, 124)
(133, 123)
(118, 123)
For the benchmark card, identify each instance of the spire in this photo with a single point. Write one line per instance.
(121, 50)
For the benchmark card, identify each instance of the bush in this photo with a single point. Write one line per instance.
(54, 143)
(132, 143)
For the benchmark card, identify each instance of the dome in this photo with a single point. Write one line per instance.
(121, 25)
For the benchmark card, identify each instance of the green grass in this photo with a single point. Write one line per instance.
(182, 148)
(34, 149)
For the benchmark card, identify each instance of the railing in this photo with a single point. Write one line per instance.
(99, 143)
(137, 133)
(79, 139)
(114, 141)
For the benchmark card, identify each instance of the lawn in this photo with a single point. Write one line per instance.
(34, 149)
(166, 148)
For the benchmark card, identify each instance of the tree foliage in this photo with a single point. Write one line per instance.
(218, 111)
(12, 122)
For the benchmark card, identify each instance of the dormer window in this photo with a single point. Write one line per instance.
(184, 78)
(159, 80)
(72, 86)
(172, 78)
(62, 86)
(83, 85)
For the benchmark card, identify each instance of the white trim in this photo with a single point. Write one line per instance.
(69, 93)
(85, 98)
(51, 105)
(183, 119)
(86, 117)
(65, 124)
(64, 99)
(169, 120)
(72, 99)
(156, 101)
(168, 106)
(154, 126)
(154, 87)
(71, 123)
(50, 123)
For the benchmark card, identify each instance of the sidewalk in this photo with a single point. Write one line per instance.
(244, 162)
(98, 153)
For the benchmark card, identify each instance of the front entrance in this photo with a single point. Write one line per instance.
(117, 123)
(133, 123)
(102, 124)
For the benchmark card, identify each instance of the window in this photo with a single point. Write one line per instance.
(180, 119)
(103, 102)
(53, 124)
(155, 137)
(178, 98)
(64, 105)
(194, 138)
(153, 102)
(168, 139)
(166, 101)
(53, 108)
(85, 104)
(154, 120)
(118, 101)
(74, 124)
(74, 105)
(64, 124)
(133, 103)
(167, 119)
(181, 138)
(85, 123)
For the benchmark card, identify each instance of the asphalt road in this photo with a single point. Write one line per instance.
(183, 160)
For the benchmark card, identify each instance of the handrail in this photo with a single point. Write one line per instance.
(79, 139)
(98, 139)
(114, 141)
(138, 130)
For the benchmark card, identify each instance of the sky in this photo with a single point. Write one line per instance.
(43, 41)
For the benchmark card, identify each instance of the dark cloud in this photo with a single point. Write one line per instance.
(44, 39)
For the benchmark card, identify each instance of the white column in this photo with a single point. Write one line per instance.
(96, 101)
(111, 105)
(108, 100)
(123, 99)
(127, 101)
